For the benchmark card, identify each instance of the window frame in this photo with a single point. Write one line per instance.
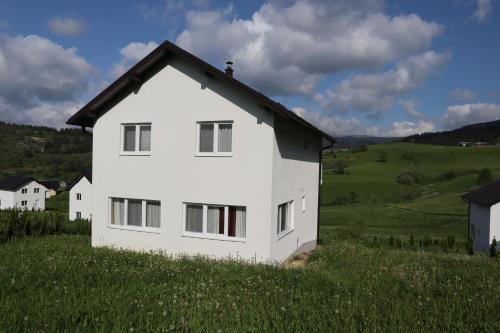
(215, 152)
(126, 226)
(78, 197)
(24, 191)
(24, 203)
(205, 234)
(78, 215)
(136, 151)
(36, 190)
(290, 219)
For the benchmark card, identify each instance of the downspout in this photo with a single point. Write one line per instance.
(319, 187)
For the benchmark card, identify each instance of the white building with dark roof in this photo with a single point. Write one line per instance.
(188, 160)
(80, 198)
(22, 193)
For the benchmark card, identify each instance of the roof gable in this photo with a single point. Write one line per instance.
(86, 174)
(153, 63)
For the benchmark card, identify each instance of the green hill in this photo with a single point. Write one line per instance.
(43, 152)
(426, 199)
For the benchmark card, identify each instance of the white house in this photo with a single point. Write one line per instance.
(188, 160)
(22, 193)
(484, 215)
(80, 197)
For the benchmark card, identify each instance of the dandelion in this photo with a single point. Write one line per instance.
(283, 308)
(25, 318)
(160, 303)
(336, 311)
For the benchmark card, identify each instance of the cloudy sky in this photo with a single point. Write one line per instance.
(386, 68)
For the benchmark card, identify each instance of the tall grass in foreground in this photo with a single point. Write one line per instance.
(57, 283)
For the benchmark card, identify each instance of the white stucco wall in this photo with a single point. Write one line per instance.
(480, 219)
(84, 187)
(34, 200)
(495, 224)
(6, 199)
(174, 101)
(295, 175)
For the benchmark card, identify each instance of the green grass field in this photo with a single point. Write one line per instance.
(431, 208)
(368, 274)
(60, 283)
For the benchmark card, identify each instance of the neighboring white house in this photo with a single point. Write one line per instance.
(80, 198)
(484, 215)
(22, 193)
(188, 160)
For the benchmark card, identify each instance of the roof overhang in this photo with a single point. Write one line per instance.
(155, 61)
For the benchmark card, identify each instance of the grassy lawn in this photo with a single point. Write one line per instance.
(432, 207)
(60, 283)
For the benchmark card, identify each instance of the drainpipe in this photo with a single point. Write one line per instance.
(319, 186)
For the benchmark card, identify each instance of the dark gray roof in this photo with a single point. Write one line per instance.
(487, 195)
(152, 64)
(12, 183)
(53, 184)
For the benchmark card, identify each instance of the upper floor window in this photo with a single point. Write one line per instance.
(36, 190)
(215, 138)
(78, 196)
(136, 139)
(24, 191)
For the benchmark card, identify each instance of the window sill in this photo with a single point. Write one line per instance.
(138, 153)
(213, 237)
(285, 233)
(138, 229)
(213, 154)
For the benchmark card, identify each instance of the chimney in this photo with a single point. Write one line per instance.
(229, 69)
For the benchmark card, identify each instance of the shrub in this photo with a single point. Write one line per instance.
(493, 248)
(351, 199)
(469, 247)
(382, 157)
(360, 149)
(447, 176)
(409, 178)
(484, 177)
(339, 167)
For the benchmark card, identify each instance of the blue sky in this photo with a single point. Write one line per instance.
(387, 68)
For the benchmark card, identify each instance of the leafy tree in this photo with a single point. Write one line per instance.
(484, 177)
(493, 248)
(382, 157)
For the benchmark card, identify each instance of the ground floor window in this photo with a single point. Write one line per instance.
(78, 215)
(135, 213)
(24, 203)
(215, 220)
(285, 217)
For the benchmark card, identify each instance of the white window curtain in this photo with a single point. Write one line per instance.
(213, 218)
(206, 138)
(194, 218)
(129, 138)
(118, 211)
(241, 222)
(134, 213)
(153, 214)
(224, 139)
(145, 138)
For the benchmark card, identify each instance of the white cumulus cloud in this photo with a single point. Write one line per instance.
(67, 26)
(40, 80)
(410, 106)
(333, 125)
(375, 93)
(130, 55)
(287, 47)
(403, 128)
(484, 8)
(464, 114)
(463, 94)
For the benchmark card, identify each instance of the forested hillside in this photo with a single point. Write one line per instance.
(484, 132)
(43, 152)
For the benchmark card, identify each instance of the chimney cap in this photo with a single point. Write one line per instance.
(229, 70)
(229, 63)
